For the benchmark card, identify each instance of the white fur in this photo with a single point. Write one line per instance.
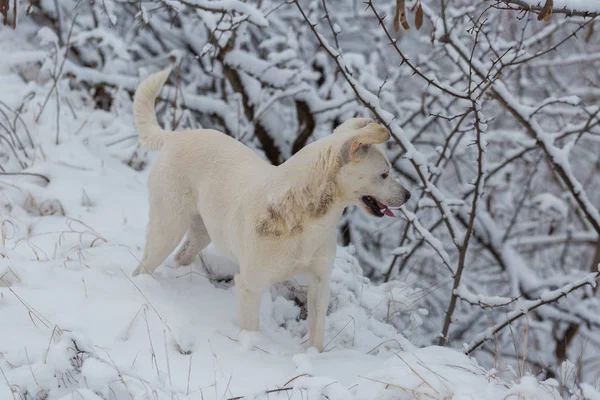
(276, 221)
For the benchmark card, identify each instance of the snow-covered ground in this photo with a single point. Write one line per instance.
(75, 325)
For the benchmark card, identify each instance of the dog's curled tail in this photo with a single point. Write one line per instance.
(151, 134)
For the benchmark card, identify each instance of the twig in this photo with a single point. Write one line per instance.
(524, 5)
(431, 81)
(416, 158)
(151, 345)
(56, 77)
(8, 386)
(31, 370)
(480, 128)
(27, 174)
(328, 18)
(533, 129)
(267, 392)
(549, 298)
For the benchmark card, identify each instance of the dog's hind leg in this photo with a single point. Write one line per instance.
(197, 239)
(165, 230)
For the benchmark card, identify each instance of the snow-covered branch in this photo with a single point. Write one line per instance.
(569, 8)
(528, 306)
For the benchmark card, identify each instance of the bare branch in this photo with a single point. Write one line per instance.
(537, 6)
(547, 298)
(480, 128)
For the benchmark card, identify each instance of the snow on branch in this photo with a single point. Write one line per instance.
(387, 119)
(480, 300)
(431, 80)
(528, 306)
(254, 15)
(265, 72)
(558, 157)
(480, 128)
(194, 102)
(570, 8)
(434, 242)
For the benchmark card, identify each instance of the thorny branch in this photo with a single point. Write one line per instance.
(416, 159)
(537, 6)
(529, 306)
(483, 78)
(480, 128)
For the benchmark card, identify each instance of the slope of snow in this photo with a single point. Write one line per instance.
(75, 325)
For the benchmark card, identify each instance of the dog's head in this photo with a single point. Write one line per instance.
(364, 177)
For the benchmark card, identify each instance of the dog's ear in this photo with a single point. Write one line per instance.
(359, 143)
(353, 124)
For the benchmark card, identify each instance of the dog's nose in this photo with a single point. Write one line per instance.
(406, 195)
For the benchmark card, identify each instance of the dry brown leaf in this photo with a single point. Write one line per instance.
(397, 17)
(419, 17)
(589, 33)
(400, 16)
(546, 11)
(4, 6)
(403, 19)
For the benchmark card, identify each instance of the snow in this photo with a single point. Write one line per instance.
(548, 201)
(76, 325)
(434, 242)
(418, 160)
(528, 305)
(264, 71)
(47, 36)
(589, 392)
(560, 157)
(572, 5)
(440, 373)
(485, 301)
(77, 322)
(251, 12)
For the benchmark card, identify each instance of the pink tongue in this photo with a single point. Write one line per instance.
(388, 212)
(385, 209)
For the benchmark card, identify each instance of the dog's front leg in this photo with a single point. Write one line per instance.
(318, 301)
(248, 304)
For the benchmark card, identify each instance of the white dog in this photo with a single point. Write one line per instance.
(276, 221)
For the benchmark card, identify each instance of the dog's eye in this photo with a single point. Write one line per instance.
(384, 176)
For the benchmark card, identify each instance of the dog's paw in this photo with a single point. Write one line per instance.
(139, 270)
(249, 339)
(183, 258)
(185, 255)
